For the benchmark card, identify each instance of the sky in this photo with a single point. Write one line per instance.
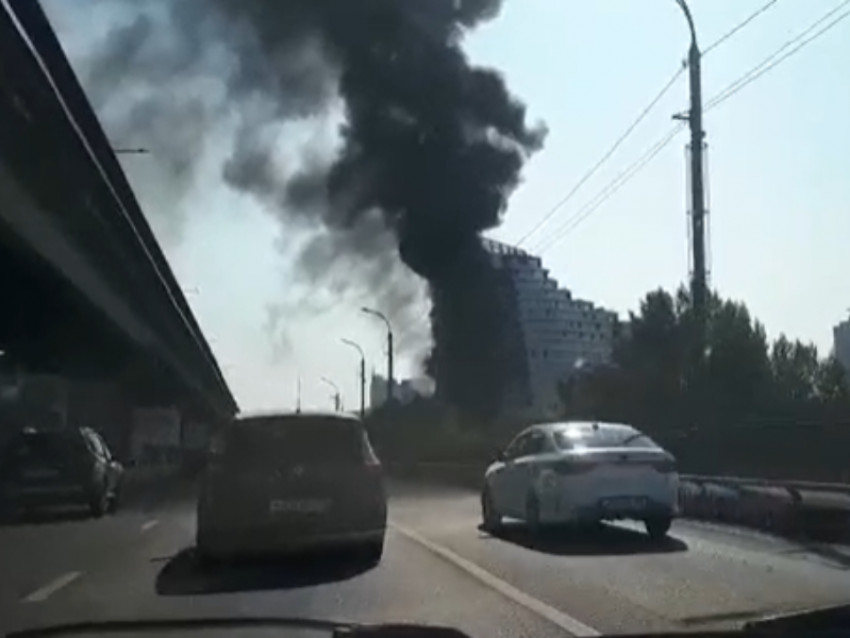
(778, 189)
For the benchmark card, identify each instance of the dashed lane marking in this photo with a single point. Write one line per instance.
(555, 616)
(148, 525)
(43, 593)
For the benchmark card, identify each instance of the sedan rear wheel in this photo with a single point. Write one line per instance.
(657, 527)
(490, 517)
(532, 513)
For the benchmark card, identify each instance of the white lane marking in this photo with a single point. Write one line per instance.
(148, 525)
(555, 616)
(43, 593)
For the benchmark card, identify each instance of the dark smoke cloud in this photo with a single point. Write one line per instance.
(430, 149)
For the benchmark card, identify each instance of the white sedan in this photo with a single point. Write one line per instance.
(582, 472)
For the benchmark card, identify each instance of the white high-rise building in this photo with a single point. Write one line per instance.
(559, 334)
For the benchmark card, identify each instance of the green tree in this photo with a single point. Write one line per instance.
(737, 363)
(831, 384)
(795, 368)
(740, 376)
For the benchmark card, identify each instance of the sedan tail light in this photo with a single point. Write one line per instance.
(665, 466)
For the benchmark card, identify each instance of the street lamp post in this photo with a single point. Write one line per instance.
(699, 277)
(382, 317)
(357, 347)
(337, 397)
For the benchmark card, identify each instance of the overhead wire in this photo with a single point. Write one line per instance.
(540, 223)
(623, 178)
(756, 72)
(789, 48)
(620, 140)
(738, 27)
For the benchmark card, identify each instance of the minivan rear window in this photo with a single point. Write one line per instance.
(51, 443)
(46, 447)
(274, 441)
(569, 438)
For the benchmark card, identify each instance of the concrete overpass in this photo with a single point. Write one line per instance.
(85, 290)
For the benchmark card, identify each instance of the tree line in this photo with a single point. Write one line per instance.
(659, 377)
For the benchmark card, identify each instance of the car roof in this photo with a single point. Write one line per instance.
(54, 431)
(595, 425)
(295, 414)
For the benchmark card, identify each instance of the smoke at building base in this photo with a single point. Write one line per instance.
(431, 145)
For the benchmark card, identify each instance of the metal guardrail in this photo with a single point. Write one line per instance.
(789, 508)
(796, 490)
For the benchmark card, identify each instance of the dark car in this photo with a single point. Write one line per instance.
(56, 468)
(287, 482)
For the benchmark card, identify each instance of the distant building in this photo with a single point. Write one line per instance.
(841, 343)
(403, 391)
(559, 334)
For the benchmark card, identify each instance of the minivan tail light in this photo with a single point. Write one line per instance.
(373, 465)
(370, 459)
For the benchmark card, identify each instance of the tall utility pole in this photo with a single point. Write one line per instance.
(298, 396)
(699, 274)
(381, 316)
(357, 347)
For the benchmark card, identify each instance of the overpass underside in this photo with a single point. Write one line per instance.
(85, 291)
(47, 326)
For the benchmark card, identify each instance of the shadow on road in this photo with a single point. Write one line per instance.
(601, 540)
(837, 557)
(185, 575)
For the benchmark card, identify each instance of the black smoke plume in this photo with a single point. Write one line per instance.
(431, 146)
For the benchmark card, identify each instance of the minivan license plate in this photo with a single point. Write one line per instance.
(311, 506)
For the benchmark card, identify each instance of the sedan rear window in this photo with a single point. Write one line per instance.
(274, 441)
(569, 438)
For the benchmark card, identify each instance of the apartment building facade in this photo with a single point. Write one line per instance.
(559, 334)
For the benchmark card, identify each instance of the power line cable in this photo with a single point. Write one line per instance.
(605, 157)
(789, 48)
(540, 223)
(765, 66)
(761, 10)
(606, 193)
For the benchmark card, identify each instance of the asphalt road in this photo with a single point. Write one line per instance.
(438, 568)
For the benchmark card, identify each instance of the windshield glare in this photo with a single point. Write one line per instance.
(588, 438)
(526, 317)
